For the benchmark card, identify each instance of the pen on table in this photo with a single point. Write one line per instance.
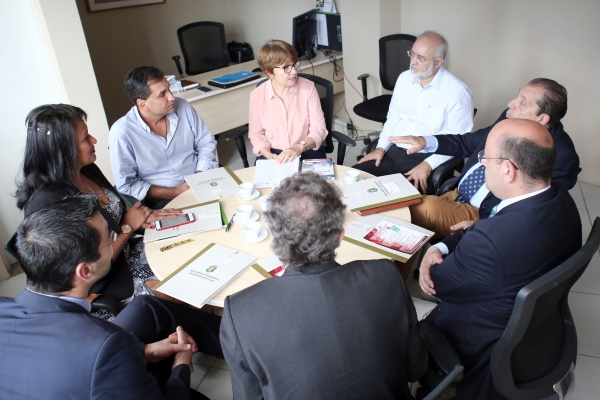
(169, 247)
(230, 222)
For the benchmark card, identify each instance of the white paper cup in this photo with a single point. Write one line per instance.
(244, 211)
(252, 229)
(351, 176)
(263, 202)
(246, 189)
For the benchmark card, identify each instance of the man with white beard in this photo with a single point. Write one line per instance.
(427, 100)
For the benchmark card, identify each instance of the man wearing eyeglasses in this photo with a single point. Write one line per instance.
(427, 100)
(158, 142)
(477, 273)
(53, 348)
(541, 100)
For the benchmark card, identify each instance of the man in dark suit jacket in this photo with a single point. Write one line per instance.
(322, 330)
(533, 229)
(542, 100)
(52, 347)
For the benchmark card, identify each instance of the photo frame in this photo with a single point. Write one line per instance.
(103, 5)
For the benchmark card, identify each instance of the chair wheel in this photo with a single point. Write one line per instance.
(358, 158)
(367, 141)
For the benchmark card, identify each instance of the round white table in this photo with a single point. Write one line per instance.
(164, 263)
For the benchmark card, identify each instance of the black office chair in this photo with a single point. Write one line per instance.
(536, 355)
(325, 89)
(392, 62)
(444, 367)
(203, 46)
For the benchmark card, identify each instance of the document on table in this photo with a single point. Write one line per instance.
(378, 191)
(268, 173)
(213, 184)
(270, 267)
(388, 236)
(207, 217)
(202, 277)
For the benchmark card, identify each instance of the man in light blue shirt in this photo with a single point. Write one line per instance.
(158, 142)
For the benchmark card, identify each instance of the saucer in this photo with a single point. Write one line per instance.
(255, 194)
(345, 182)
(262, 235)
(252, 218)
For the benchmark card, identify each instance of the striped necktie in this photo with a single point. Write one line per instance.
(494, 211)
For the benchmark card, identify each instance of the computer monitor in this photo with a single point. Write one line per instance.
(304, 34)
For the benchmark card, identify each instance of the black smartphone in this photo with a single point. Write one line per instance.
(203, 89)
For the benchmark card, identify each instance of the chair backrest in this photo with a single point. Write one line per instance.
(393, 59)
(539, 343)
(325, 89)
(203, 46)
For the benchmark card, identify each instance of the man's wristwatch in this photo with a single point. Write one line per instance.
(303, 143)
(126, 229)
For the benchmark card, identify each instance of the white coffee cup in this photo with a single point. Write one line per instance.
(246, 189)
(252, 229)
(244, 211)
(262, 201)
(351, 176)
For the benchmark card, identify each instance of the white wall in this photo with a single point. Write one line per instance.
(122, 39)
(44, 60)
(497, 46)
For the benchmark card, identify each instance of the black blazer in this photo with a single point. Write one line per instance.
(566, 168)
(118, 283)
(54, 349)
(334, 332)
(487, 266)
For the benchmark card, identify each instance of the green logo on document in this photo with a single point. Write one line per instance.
(212, 268)
(372, 190)
(213, 184)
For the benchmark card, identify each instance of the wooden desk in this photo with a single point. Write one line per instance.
(225, 109)
(164, 263)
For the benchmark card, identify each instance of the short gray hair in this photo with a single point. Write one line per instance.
(305, 216)
(442, 48)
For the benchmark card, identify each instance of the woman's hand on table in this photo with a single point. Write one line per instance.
(136, 216)
(158, 215)
(287, 155)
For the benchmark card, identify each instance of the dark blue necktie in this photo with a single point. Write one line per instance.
(471, 185)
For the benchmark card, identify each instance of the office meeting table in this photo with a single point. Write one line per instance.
(164, 263)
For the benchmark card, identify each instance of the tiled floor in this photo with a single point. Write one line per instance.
(211, 376)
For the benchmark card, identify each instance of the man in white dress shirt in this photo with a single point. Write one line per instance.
(427, 100)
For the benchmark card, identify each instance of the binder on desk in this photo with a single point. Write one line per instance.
(231, 80)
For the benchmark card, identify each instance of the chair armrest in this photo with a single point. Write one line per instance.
(363, 79)
(440, 348)
(234, 133)
(11, 246)
(340, 137)
(448, 185)
(443, 169)
(107, 303)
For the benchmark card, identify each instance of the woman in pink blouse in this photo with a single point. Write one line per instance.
(286, 119)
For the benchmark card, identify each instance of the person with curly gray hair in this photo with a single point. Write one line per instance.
(306, 219)
(321, 330)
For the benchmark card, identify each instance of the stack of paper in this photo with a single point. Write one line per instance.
(213, 184)
(378, 192)
(388, 236)
(270, 267)
(322, 166)
(201, 278)
(268, 173)
(207, 217)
